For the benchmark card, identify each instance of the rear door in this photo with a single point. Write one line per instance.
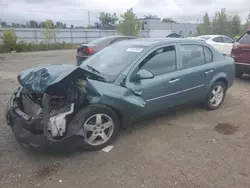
(194, 72)
(242, 51)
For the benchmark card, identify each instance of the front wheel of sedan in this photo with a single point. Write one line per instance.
(99, 125)
(215, 96)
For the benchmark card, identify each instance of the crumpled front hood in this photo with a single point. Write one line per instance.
(37, 79)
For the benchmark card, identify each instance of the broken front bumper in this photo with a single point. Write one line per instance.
(29, 131)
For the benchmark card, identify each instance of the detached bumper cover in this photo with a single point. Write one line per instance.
(28, 132)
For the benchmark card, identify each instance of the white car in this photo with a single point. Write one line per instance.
(222, 43)
(197, 38)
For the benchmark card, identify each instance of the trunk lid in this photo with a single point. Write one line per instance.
(87, 49)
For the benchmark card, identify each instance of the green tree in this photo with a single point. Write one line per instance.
(168, 20)
(49, 24)
(3, 24)
(245, 27)
(59, 25)
(71, 26)
(205, 28)
(108, 21)
(221, 23)
(49, 32)
(150, 16)
(41, 25)
(9, 40)
(33, 24)
(235, 24)
(129, 25)
(15, 25)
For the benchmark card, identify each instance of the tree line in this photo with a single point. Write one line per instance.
(223, 24)
(127, 23)
(106, 21)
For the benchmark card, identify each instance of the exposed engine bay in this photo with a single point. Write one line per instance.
(49, 97)
(54, 109)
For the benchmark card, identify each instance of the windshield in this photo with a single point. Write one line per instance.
(205, 38)
(113, 59)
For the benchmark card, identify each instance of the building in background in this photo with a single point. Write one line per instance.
(157, 28)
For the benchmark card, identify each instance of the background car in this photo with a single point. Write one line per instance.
(86, 50)
(196, 38)
(128, 81)
(222, 43)
(241, 54)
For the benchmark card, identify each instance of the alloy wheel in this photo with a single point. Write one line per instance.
(217, 96)
(98, 129)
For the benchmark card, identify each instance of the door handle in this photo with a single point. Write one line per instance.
(173, 80)
(209, 71)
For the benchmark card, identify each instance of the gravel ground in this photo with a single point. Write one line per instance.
(190, 147)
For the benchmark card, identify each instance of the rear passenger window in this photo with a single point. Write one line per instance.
(160, 61)
(245, 39)
(192, 55)
(208, 54)
(217, 39)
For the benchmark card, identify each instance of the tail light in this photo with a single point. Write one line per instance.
(236, 45)
(88, 50)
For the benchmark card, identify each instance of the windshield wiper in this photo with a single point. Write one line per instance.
(93, 69)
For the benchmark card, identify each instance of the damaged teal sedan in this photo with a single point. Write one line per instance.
(68, 106)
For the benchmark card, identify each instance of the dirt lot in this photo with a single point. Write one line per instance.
(188, 148)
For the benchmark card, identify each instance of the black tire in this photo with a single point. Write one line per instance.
(83, 115)
(207, 103)
(238, 74)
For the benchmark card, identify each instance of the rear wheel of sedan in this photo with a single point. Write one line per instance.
(215, 96)
(99, 125)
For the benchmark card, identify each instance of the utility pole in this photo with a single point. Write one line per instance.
(89, 17)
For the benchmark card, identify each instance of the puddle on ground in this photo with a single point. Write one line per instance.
(226, 128)
(47, 171)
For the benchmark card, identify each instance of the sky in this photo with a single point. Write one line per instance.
(76, 11)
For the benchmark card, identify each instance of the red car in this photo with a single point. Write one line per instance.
(241, 54)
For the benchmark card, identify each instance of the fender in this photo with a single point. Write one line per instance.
(220, 75)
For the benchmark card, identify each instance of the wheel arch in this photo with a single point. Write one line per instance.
(224, 80)
(219, 77)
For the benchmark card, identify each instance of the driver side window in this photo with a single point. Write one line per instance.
(161, 61)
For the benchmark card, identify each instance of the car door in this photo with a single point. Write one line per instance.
(193, 71)
(161, 91)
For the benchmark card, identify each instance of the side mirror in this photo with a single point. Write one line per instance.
(142, 74)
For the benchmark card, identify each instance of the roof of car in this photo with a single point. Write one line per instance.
(211, 36)
(155, 41)
(117, 36)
